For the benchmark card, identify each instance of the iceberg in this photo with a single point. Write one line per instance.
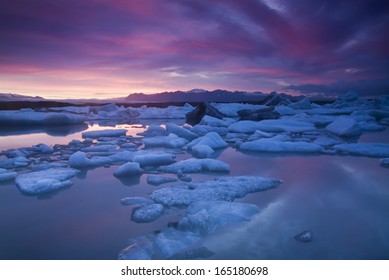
(171, 141)
(202, 151)
(220, 189)
(344, 127)
(194, 165)
(212, 121)
(153, 130)
(180, 131)
(147, 213)
(140, 201)
(104, 133)
(157, 180)
(211, 139)
(80, 160)
(128, 169)
(6, 175)
(379, 150)
(154, 159)
(14, 162)
(46, 180)
(273, 146)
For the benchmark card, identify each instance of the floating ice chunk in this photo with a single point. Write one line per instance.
(344, 127)
(384, 162)
(99, 148)
(122, 156)
(140, 248)
(44, 166)
(104, 133)
(14, 162)
(202, 151)
(231, 109)
(180, 131)
(157, 180)
(129, 169)
(280, 125)
(153, 130)
(171, 241)
(224, 188)
(45, 180)
(72, 109)
(326, 141)
(259, 134)
(39, 118)
(224, 212)
(272, 146)
(140, 201)
(211, 139)
(302, 104)
(6, 175)
(364, 149)
(184, 177)
(193, 165)
(147, 213)
(204, 129)
(44, 149)
(212, 121)
(154, 159)
(80, 160)
(171, 141)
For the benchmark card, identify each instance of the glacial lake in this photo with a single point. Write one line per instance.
(343, 200)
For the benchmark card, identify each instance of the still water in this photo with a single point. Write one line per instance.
(343, 200)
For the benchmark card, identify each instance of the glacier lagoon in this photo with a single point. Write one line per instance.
(342, 198)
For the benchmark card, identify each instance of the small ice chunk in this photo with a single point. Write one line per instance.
(129, 169)
(220, 189)
(45, 149)
(154, 159)
(194, 165)
(153, 130)
(344, 127)
(140, 248)
(202, 151)
(104, 133)
(211, 139)
(180, 131)
(46, 180)
(171, 141)
(6, 175)
(147, 213)
(273, 146)
(379, 150)
(259, 134)
(140, 201)
(157, 180)
(171, 241)
(80, 160)
(44, 166)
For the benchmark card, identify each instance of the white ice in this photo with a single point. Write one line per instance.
(45, 180)
(223, 189)
(194, 165)
(211, 139)
(6, 175)
(80, 160)
(212, 121)
(23, 117)
(202, 151)
(200, 129)
(153, 130)
(14, 162)
(104, 133)
(147, 213)
(135, 200)
(274, 146)
(180, 131)
(344, 127)
(280, 125)
(128, 169)
(171, 141)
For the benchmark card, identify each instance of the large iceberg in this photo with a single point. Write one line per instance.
(220, 189)
(194, 165)
(45, 180)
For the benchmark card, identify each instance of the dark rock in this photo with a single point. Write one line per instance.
(305, 236)
(194, 117)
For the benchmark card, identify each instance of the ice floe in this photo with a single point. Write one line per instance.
(147, 213)
(211, 139)
(344, 127)
(14, 162)
(280, 125)
(104, 133)
(157, 180)
(6, 174)
(80, 160)
(223, 188)
(22, 117)
(194, 165)
(380, 150)
(128, 169)
(274, 146)
(180, 131)
(153, 130)
(139, 201)
(46, 180)
(171, 141)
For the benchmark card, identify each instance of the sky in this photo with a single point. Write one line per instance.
(111, 48)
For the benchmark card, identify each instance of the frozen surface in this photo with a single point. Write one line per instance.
(180, 131)
(194, 165)
(46, 180)
(273, 146)
(364, 149)
(223, 188)
(171, 141)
